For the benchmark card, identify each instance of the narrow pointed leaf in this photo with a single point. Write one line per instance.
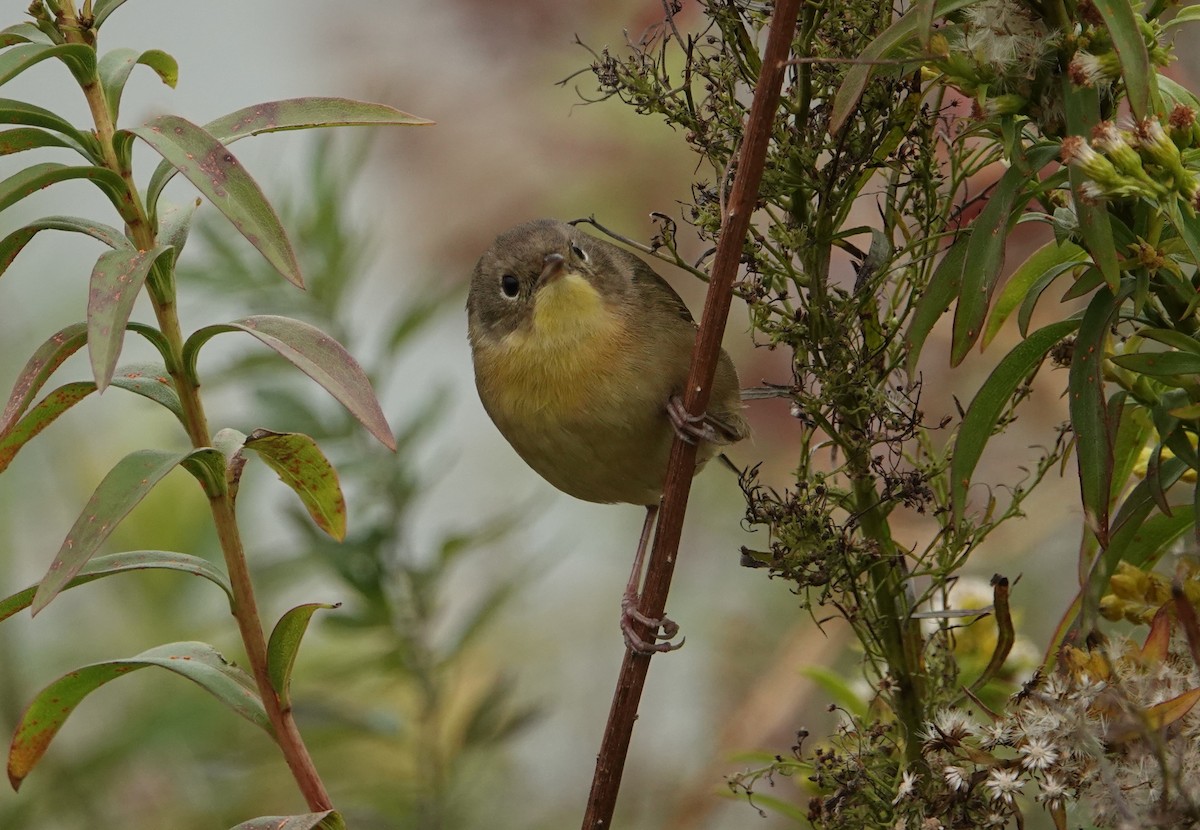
(301, 465)
(38, 176)
(983, 263)
(1160, 364)
(285, 644)
(1187, 225)
(16, 241)
(198, 662)
(207, 465)
(209, 165)
(117, 280)
(29, 138)
(1082, 106)
(1164, 714)
(979, 423)
(290, 114)
(148, 381)
(115, 66)
(131, 560)
(39, 417)
(902, 32)
(327, 820)
(174, 224)
(1121, 23)
(126, 484)
(48, 357)
(1089, 413)
(101, 9)
(317, 355)
(22, 33)
(1050, 258)
(16, 59)
(943, 287)
(1158, 641)
(19, 112)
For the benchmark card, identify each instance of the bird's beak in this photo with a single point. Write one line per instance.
(552, 269)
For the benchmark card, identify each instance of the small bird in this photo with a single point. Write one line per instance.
(581, 355)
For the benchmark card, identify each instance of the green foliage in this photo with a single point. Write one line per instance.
(141, 262)
(872, 117)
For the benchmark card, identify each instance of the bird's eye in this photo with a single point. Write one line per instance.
(510, 286)
(579, 253)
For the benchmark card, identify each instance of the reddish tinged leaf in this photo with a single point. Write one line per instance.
(40, 417)
(309, 821)
(130, 560)
(16, 241)
(117, 280)
(48, 357)
(198, 662)
(1156, 647)
(126, 484)
(317, 355)
(301, 465)
(284, 645)
(208, 164)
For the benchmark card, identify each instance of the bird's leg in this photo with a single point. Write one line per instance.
(693, 428)
(663, 629)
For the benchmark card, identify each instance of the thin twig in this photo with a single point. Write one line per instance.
(681, 466)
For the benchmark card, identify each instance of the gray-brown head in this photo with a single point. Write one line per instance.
(512, 274)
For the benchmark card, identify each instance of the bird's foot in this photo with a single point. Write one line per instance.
(664, 629)
(692, 428)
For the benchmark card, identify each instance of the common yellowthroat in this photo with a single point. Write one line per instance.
(581, 354)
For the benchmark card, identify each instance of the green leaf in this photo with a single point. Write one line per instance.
(39, 176)
(131, 560)
(1186, 15)
(16, 59)
(13, 439)
(328, 820)
(886, 45)
(290, 114)
(48, 357)
(1160, 364)
(1051, 258)
(1089, 412)
(117, 280)
(174, 223)
(1187, 225)
(150, 380)
(115, 66)
(16, 241)
(147, 380)
(301, 465)
(1082, 106)
(198, 662)
(19, 112)
(209, 165)
(22, 33)
(1133, 432)
(1171, 337)
(29, 138)
(285, 644)
(984, 260)
(1034, 294)
(101, 9)
(943, 287)
(317, 355)
(980, 422)
(1121, 23)
(125, 485)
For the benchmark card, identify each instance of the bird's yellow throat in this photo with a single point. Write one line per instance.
(544, 369)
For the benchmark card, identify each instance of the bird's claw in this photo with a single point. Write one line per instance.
(663, 629)
(691, 428)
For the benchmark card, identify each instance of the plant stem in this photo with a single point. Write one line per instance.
(681, 466)
(244, 605)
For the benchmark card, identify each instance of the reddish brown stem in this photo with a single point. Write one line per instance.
(682, 464)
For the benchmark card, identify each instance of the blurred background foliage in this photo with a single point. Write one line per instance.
(465, 678)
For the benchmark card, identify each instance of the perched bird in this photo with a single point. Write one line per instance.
(581, 354)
